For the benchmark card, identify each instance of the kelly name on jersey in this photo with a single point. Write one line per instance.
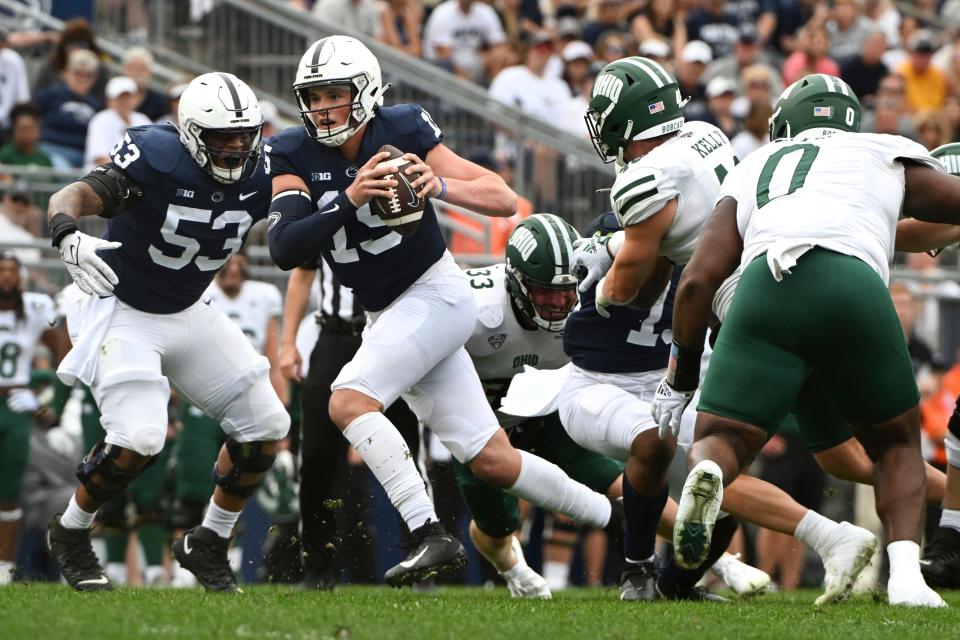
(365, 255)
(18, 337)
(184, 228)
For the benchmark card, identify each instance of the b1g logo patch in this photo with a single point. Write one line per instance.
(496, 340)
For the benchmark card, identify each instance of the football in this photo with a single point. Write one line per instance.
(403, 211)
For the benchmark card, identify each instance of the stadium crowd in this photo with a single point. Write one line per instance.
(64, 109)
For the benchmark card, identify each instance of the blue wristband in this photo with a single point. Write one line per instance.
(443, 188)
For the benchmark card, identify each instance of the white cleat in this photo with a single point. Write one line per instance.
(913, 593)
(522, 581)
(746, 581)
(697, 514)
(847, 556)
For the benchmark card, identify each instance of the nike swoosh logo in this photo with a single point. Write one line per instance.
(244, 196)
(406, 564)
(100, 580)
(187, 549)
(926, 563)
(335, 207)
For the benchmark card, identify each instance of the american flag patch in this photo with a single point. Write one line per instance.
(822, 112)
(656, 107)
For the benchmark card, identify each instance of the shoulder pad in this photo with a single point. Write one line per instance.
(401, 118)
(159, 145)
(639, 192)
(490, 316)
(287, 140)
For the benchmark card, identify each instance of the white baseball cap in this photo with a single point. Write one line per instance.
(719, 86)
(576, 50)
(655, 47)
(697, 51)
(120, 85)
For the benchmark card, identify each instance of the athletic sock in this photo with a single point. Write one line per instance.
(816, 531)
(75, 517)
(904, 560)
(546, 485)
(383, 450)
(950, 518)
(219, 520)
(641, 516)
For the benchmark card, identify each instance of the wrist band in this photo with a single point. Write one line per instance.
(61, 225)
(683, 368)
(443, 188)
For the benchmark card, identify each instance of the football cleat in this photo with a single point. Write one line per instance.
(697, 514)
(72, 550)
(638, 582)
(204, 554)
(847, 555)
(913, 593)
(745, 580)
(432, 551)
(689, 594)
(941, 559)
(522, 581)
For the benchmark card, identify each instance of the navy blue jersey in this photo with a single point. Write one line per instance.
(630, 340)
(364, 254)
(178, 235)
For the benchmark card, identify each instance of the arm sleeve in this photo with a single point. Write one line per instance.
(640, 192)
(295, 232)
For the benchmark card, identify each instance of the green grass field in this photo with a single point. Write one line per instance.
(40, 612)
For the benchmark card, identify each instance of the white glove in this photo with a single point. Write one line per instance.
(79, 252)
(590, 255)
(667, 408)
(62, 442)
(22, 401)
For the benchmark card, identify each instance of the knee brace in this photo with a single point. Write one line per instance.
(101, 476)
(247, 457)
(185, 514)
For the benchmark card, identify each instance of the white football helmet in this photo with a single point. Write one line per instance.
(345, 61)
(220, 102)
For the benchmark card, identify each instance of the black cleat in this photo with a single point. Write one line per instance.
(432, 551)
(941, 559)
(72, 550)
(204, 554)
(638, 582)
(690, 594)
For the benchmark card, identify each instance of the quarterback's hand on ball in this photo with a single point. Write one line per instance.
(427, 185)
(23, 401)
(370, 182)
(591, 260)
(667, 408)
(79, 253)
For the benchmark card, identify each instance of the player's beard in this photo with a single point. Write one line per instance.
(9, 295)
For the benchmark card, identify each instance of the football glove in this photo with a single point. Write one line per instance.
(23, 401)
(591, 260)
(667, 408)
(79, 253)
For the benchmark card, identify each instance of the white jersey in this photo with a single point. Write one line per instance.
(842, 192)
(689, 167)
(499, 346)
(18, 337)
(251, 309)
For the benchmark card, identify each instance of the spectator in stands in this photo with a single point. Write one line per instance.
(881, 14)
(810, 57)
(66, 109)
(77, 34)
(693, 63)
(746, 52)
(757, 84)
(23, 149)
(13, 232)
(720, 95)
(271, 118)
(782, 20)
(13, 80)
(19, 208)
(864, 72)
(612, 46)
(520, 18)
(106, 128)
(138, 64)
(467, 38)
(400, 22)
(933, 129)
(848, 30)
(609, 18)
(755, 129)
(577, 59)
(658, 50)
(715, 25)
(925, 84)
(888, 117)
(173, 104)
(666, 18)
(527, 87)
(356, 15)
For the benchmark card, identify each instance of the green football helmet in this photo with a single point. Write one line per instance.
(949, 157)
(539, 279)
(632, 99)
(816, 101)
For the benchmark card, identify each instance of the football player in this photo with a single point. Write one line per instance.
(419, 304)
(179, 203)
(255, 307)
(810, 219)
(26, 318)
